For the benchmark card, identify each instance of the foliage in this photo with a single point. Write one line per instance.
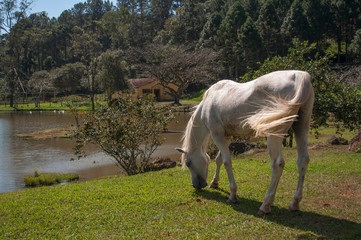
(356, 44)
(11, 12)
(128, 130)
(115, 28)
(250, 44)
(113, 72)
(269, 23)
(185, 26)
(178, 65)
(68, 77)
(228, 35)
(331, 97)
(81, 34)
(40, 82)
(163, 204)
(296, 24)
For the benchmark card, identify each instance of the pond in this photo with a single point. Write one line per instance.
(19, 157)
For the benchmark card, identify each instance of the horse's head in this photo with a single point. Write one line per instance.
(197, 164)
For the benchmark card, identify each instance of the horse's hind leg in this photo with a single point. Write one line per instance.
(214, 183)
(274, 145)
(301, 133)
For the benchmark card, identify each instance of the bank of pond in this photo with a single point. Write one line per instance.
(39, 140)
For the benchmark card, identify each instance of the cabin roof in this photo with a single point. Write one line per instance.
(138, 82)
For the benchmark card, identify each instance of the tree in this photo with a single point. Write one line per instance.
(227, 39)
(208, 36)
(185, 26)
(139, 27)
(356, 44)
(250, 45)
(113, 72)
(318, 20)
(252, 7)
(115, 28)
(296, 25)
(343, 18)
(12, 12)
(40, 82)
(13, 58)
(67, 78)
(129, 131)
(160, 11)
(87, 48)
(177, 65)
(269, 25)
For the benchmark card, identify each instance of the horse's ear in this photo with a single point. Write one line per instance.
(180, 150)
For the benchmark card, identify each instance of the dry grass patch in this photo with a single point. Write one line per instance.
(49, 133)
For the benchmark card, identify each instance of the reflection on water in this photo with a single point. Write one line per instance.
(19, 157)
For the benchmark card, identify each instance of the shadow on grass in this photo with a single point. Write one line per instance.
(325, 227)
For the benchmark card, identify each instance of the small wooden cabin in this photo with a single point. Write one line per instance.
(148, 86)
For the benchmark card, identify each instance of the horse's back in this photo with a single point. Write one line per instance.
(227, 103)
(285, 84)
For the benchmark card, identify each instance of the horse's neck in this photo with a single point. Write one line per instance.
(197, 135)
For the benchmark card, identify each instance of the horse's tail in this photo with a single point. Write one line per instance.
(277, 116)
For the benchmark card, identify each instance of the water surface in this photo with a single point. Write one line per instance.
(19, 157)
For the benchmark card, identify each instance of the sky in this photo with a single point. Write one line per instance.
(54, 7)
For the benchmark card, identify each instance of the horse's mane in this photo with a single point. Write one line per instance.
(186, 139)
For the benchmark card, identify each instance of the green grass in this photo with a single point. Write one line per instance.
(84, 106)
(47, 106)
(164, 205)
(196, 97)
(49, 178)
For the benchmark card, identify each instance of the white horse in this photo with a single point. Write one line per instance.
(267, 106)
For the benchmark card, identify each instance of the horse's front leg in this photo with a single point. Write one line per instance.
(232, 183)
(214, 183)
(222, 143)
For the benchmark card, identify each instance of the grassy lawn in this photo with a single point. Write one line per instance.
(163, 204)
(85, 105)
(47, 106)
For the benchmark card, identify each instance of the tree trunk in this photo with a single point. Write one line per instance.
(11, 100)
(177, 100)
(92, 101)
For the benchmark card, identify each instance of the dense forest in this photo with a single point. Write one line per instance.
(96, 45)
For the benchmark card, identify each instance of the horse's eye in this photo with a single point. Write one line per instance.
(188, 163)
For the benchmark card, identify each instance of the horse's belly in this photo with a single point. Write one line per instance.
(238, 130)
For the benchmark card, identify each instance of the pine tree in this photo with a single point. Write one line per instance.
(269, 25)
(318, 20)
(227, 39)
(295, 24)
(251, 44)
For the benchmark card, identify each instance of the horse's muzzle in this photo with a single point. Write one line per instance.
(201, 183)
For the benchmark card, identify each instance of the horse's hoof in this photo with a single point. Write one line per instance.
(263, 210)
(213, 185)
(295, 206)
(232, 200)
(262, 213)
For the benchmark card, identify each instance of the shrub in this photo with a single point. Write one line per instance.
(128, 130)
